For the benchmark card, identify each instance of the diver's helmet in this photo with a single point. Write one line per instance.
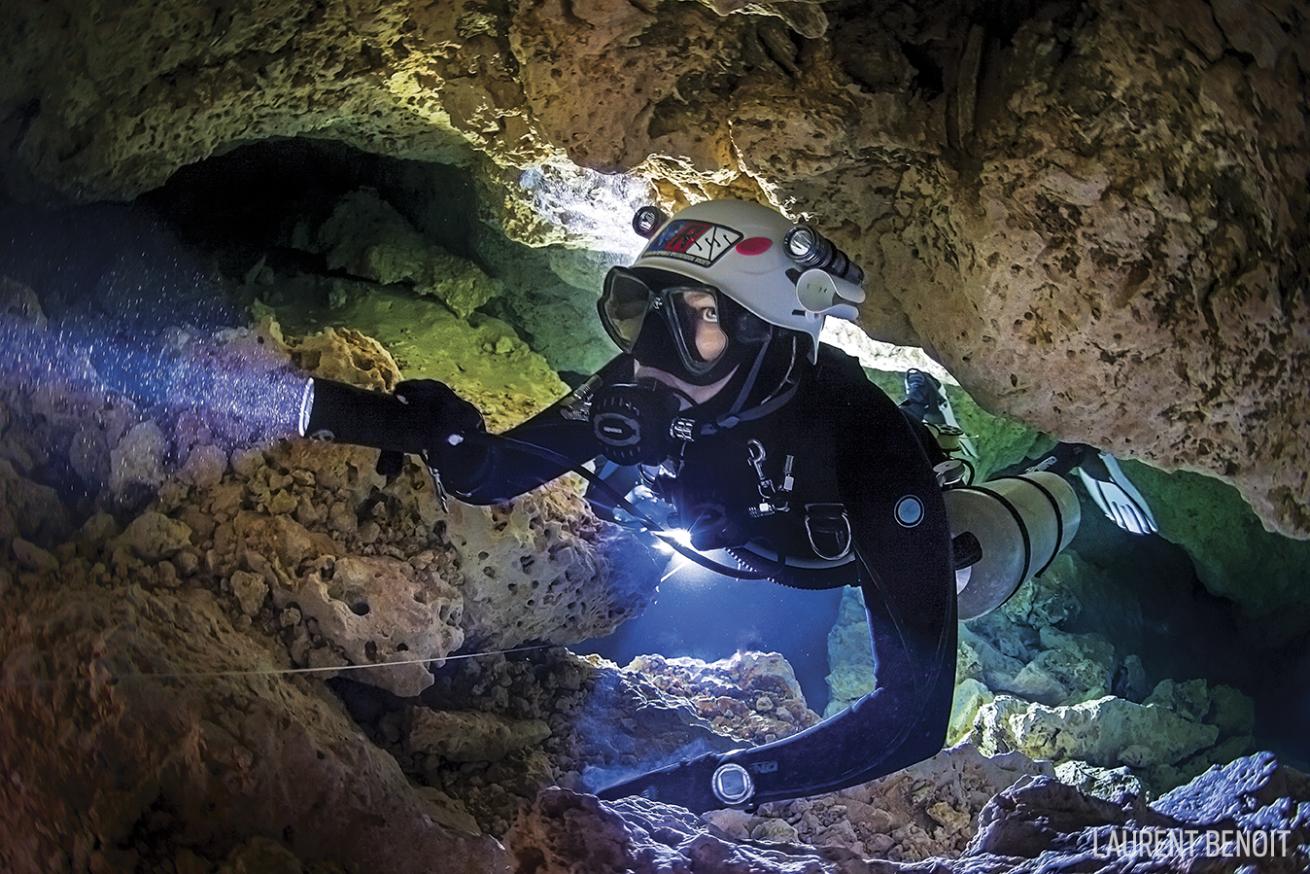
(724, 259)
(726, 291)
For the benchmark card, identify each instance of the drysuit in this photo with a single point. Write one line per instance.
(838, 478)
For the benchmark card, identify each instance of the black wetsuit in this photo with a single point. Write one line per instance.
(851, 446)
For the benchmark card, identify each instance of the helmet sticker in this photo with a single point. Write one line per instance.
(754, 245)
(701, 243)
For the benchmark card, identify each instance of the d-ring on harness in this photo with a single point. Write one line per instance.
(829, 524)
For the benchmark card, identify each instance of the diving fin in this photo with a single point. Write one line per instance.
(1112, 491)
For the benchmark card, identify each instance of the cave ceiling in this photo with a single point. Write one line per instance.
(1094, 214)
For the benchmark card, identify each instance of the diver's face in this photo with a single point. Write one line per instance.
(696, 314)
(706, 334)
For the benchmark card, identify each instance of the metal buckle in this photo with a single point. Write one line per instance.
(823, 518)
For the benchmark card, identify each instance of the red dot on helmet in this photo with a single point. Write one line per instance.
(754, 245)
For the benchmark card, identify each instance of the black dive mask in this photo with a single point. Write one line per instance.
(634, 422)
(675, 324)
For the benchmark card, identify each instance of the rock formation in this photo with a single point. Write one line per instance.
(1094, 215)
(161, 642)
(226, 651)
(1038, 824)
(1075, 699)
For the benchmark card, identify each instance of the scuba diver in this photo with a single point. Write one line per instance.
(727, 430)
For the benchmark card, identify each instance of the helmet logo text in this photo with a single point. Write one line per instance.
(701, 243)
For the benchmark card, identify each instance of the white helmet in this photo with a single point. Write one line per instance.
(785, 273)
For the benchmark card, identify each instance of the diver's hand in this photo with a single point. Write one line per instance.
(1116, 495)
(439, 413)
(687, 784)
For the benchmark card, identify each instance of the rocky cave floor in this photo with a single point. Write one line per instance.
(166, 552)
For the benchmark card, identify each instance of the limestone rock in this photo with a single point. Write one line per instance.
(533, 573)
(18, 301)
(204, 467)
(153, 536)
(379, 609)
(1234, 556)
(970, 697)
(1033, 824)
(29, 510)
(367, 237)
(850, 664)
(137, 463)
(1108, 783)
(1072, 668)
(751, 696)
(250, 590)
(427, 340)
(348, 356)
(929, 809)
(227, 755)
(33, 558)
(469, 736)
(1106, 732)
(980, 658)
(1057, 276)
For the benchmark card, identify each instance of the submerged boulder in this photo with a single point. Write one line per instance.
(751, 696)
(1174, 734)
(203, 759)
(1037, 824)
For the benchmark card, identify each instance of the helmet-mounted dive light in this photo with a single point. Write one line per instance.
(647, 220)
(811, 250)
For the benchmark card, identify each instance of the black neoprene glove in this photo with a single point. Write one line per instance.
(437, 414)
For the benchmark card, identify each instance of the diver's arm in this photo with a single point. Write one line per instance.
(478, 468)
(909, 590)
(493, 468)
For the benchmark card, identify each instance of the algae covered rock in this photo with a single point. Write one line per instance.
(970, 697)
(550, 299)
(366, 237)
(1235, 557)
(346, 355)
(1107, 732)
(423, 339)
(850, 654)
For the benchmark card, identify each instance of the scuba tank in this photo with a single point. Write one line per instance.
(1013, 528)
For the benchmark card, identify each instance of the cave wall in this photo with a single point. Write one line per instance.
(1094, 214)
